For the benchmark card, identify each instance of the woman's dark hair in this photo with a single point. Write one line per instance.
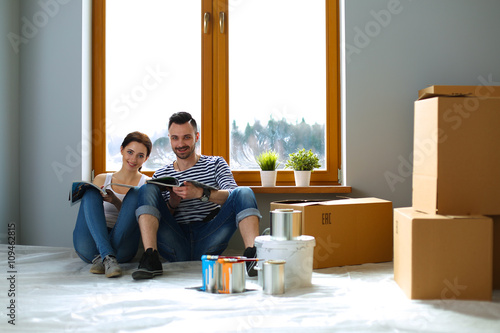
(182, 117)
(138, 137)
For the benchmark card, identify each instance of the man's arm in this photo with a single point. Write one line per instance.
(217, 196)
(189, 191)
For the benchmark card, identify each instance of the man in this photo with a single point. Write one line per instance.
(187, 222)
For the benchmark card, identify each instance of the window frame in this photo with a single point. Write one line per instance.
(215, 94)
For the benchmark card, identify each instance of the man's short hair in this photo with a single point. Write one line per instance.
(182, 117)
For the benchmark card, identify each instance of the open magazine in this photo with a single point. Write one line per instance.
(79, 188)
(168, 181)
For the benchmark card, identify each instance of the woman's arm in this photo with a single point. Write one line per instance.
(99, 179)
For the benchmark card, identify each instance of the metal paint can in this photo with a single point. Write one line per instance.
(232, 276)
(210, 273)
(286, 224)
(274, 277)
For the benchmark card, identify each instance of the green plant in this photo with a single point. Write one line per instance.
(268, 160)
(303, 160)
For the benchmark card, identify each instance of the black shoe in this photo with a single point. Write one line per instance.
(251, 252)
(149, 266)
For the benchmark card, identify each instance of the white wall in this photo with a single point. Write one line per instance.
(424, 42)
(9, 118)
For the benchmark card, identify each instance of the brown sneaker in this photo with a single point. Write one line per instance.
(111, 267)
(97, 266)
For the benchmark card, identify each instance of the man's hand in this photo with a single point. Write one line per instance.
(188, 191)
(174, 200)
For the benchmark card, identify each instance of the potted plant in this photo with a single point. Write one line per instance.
(303, 163)
(268, 162)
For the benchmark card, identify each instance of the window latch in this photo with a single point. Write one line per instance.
(221, 22)
(206, 19)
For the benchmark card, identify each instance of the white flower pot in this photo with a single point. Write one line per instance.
(302, 178)
(268, 178)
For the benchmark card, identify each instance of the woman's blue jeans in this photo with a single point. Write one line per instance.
(91, 235)
(184, 242)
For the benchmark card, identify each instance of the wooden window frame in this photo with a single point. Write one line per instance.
(215, 95)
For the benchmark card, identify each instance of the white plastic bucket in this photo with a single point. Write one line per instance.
(297, 253)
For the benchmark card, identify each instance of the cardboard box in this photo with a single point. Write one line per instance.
(456, 160)
(443, 257)
(347, 231)
(459, 91)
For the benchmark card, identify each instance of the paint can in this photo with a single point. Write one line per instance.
(286, 224)
(273, 280)
(231, 276)
(210, 274)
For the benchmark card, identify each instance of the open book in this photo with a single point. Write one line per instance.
(79, 188)
(168, 181)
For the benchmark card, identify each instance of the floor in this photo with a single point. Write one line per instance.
(53, 291)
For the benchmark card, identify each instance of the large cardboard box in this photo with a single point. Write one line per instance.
(347, 231)
(456, 160)
(443, 257)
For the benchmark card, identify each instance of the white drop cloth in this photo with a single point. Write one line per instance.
(54, 292)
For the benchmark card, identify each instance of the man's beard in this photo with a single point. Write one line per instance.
(186, 154)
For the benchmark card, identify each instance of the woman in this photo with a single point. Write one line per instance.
(106, 230)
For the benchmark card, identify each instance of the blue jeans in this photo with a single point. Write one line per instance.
(185, 242)
(91, 235)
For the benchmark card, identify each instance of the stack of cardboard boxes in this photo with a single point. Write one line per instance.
(444, 244)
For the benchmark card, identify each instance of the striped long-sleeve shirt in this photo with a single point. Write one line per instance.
(210, 170)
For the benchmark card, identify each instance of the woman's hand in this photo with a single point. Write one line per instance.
(112, 199)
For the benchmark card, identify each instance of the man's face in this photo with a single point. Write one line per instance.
(183, 140)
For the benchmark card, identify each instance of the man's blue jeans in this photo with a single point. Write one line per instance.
(184, 242)
(91, 235)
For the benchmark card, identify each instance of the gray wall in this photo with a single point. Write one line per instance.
(50, 119)
(9, 118)
(422, 43)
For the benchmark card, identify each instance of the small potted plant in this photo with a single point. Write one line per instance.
(268, 163)
(303, 163)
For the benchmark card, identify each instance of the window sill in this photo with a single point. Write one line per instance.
(307, 189)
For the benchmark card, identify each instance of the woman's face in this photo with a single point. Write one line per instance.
(134, 155)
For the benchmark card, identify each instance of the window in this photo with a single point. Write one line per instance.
(264, 74)
(152, 71)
